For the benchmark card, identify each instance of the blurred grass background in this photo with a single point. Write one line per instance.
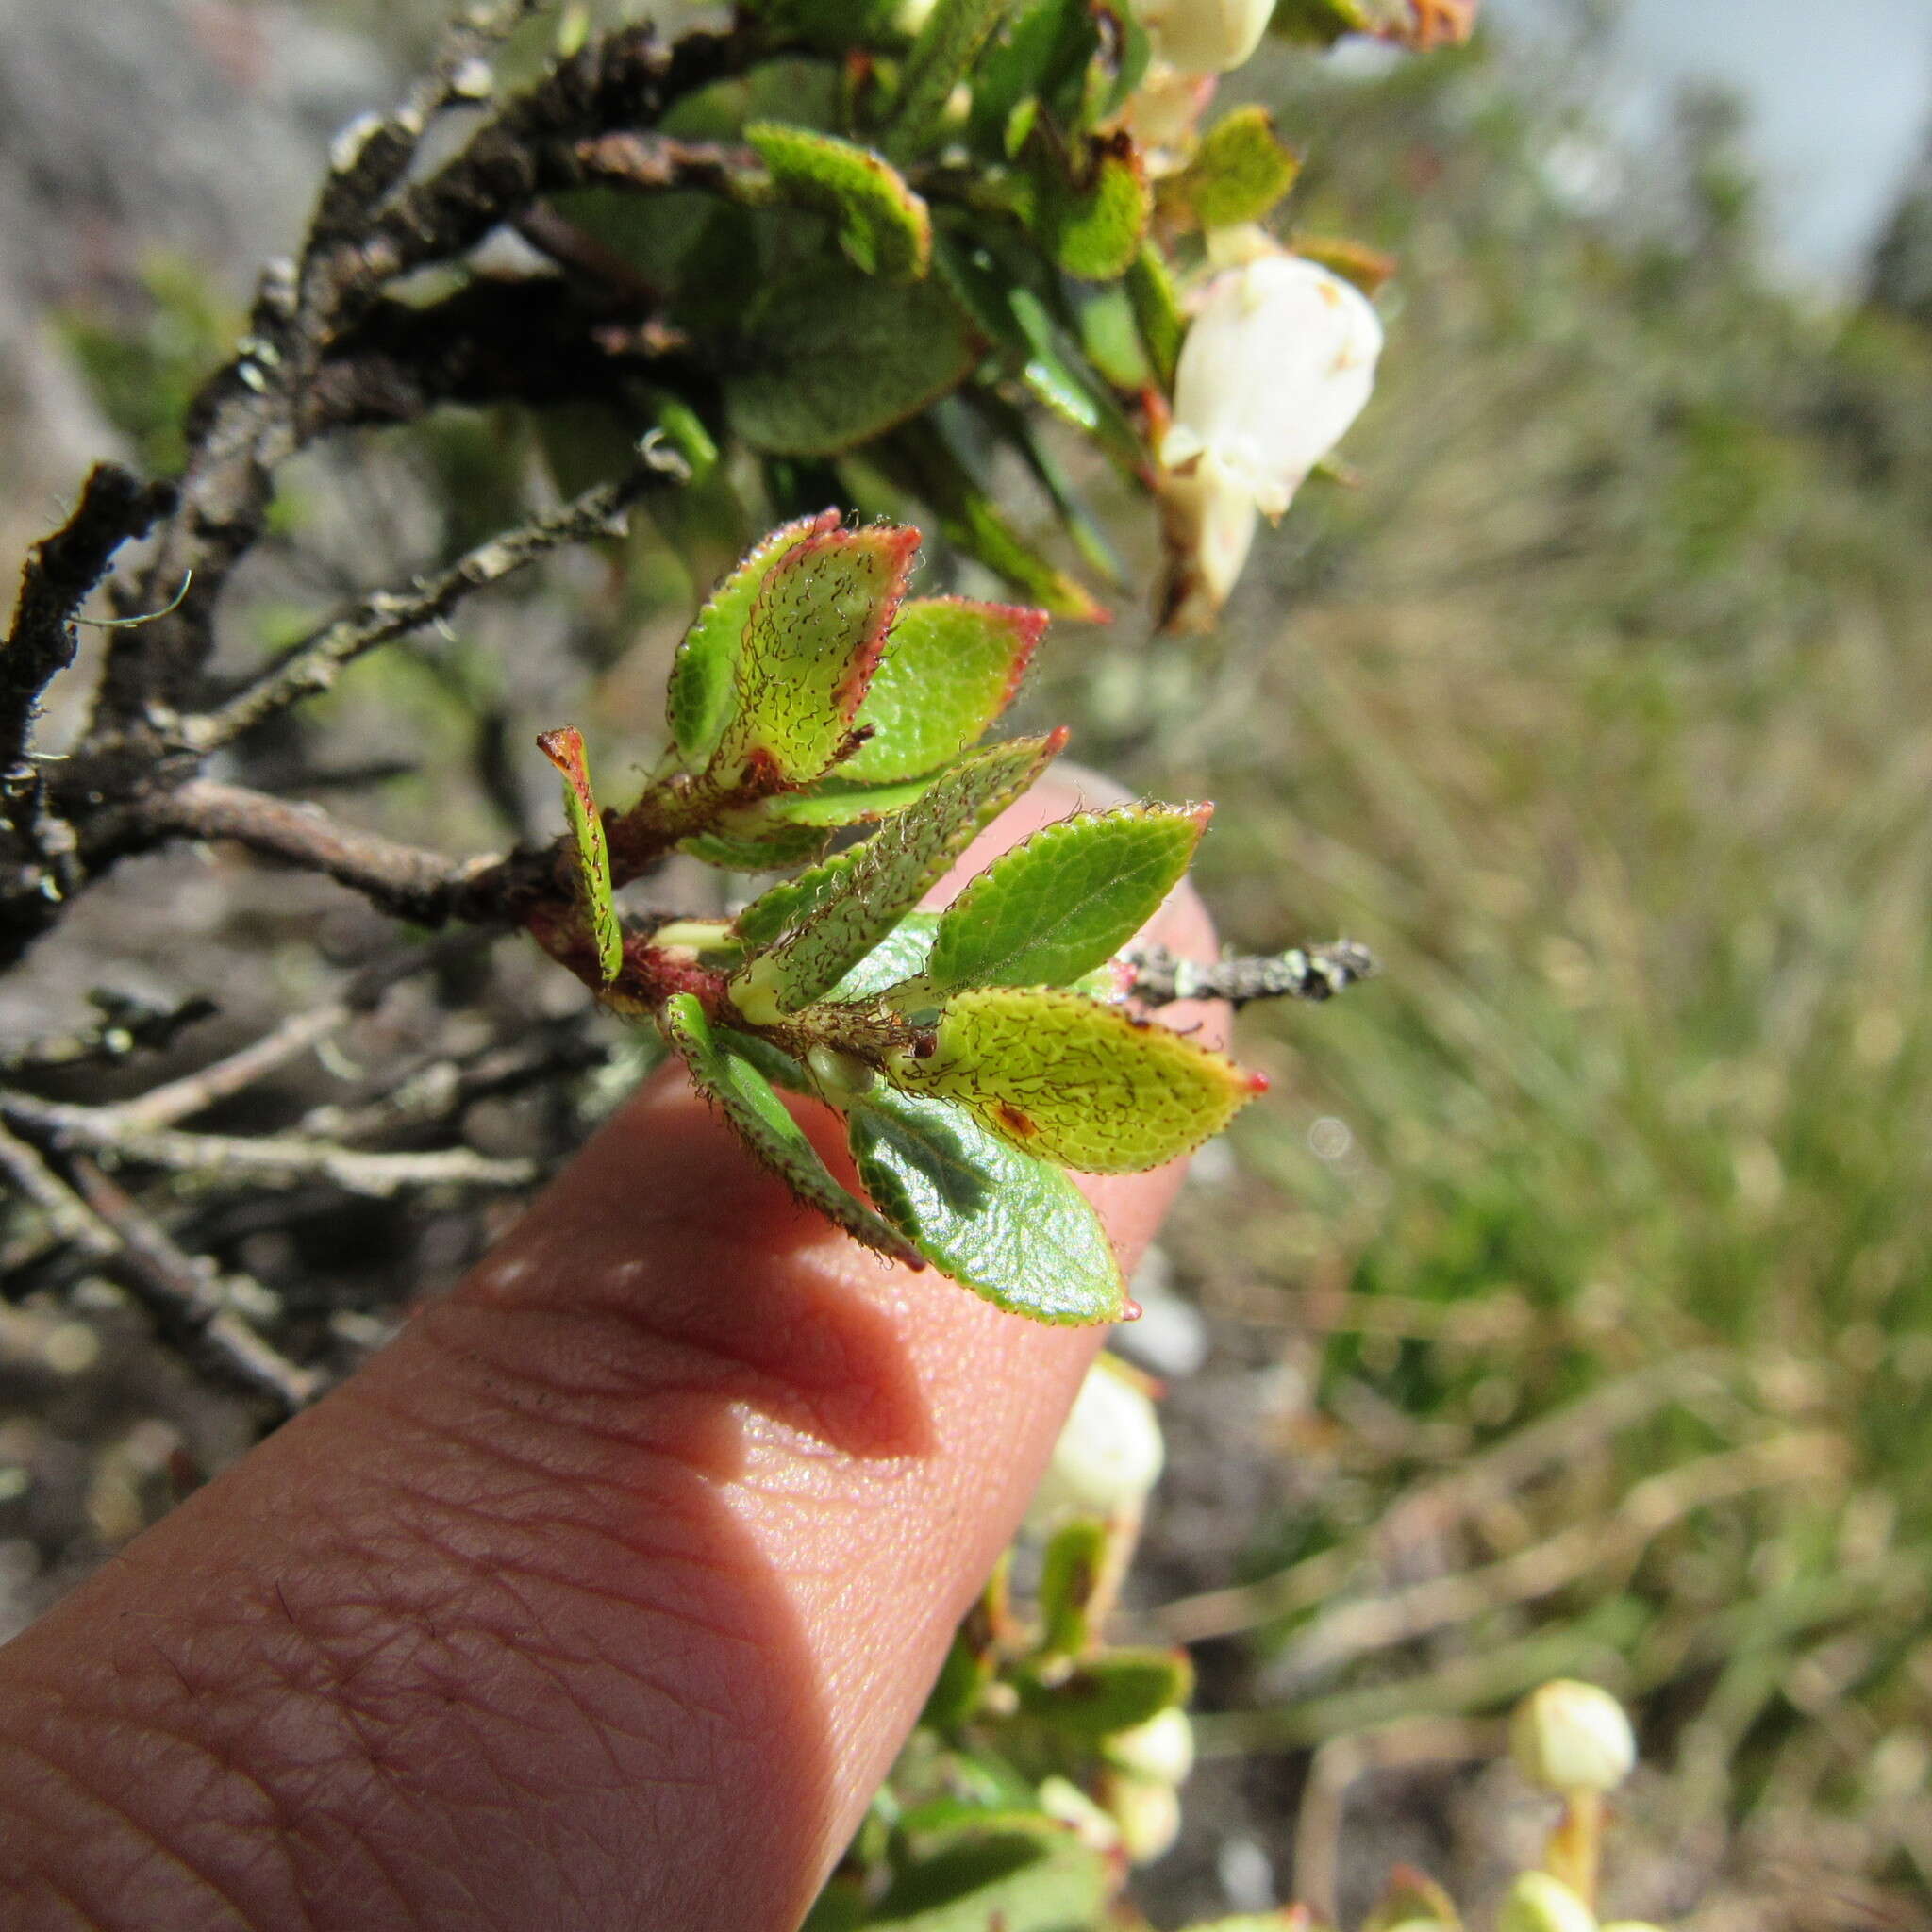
(1574, 1287)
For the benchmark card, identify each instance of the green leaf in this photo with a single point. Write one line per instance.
(702, 671)
(1066, 900)
(1089, 1086)
(817, 625)
(905, 857)
(1020, 1880)
(784, 905)
(1070, 1570)
(897, 958)
(743, 1094)
(1039, 53)
(948, 44)
(950, 668)
(927, 464)
(564, 748)
(836, 803)
(1093, 226)
(1007, 1226)
(763, 849)
(832, 356)
(1157, 311)
(1112, 1692)
(883, 225)
(1240, 171)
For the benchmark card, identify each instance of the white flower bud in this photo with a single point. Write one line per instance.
(1279, 361)
(1204, 36)
(1108, 1455)
(1569, 1737)
(1162, 1748)
(1149, 1815)
(1538, 1903)
(1162, 113)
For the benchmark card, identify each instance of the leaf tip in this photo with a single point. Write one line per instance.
(1258, 1082)
(563, 748)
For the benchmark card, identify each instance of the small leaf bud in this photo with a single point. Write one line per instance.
(1108, 1455)
(1570, 1737)
(1162, 1748)
(1096, 1828)
(1538, 1903)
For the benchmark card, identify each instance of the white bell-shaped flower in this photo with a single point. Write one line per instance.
(1204, 36)
(1108, 1455)
(1279, 361)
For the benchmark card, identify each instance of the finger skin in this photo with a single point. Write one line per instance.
(602, 1597)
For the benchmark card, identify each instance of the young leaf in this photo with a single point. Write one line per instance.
(883, 225)
(1086, 1084)
(701, 673)
(1066, 900)
(1112, 1692)
(1020, 1875)
(744, 1095)
(1240, 171)
(951, 667)
(896, 866)
(832, 357)
(1070, 1571)
(816, 628)
(897, 958)
(770, 847)
(784, 905)
(835, 803)
(1007, 1226)
(565, 750)
(1095, 227)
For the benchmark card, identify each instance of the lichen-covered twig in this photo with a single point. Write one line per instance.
(314, 664)
(1302, 973)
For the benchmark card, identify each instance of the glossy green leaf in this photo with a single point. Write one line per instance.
(1021, 432)
(831, 358)
(1037, 54)
(942, 56)
(817, 625)
(1015, 1878)
(1089, 1086)
(1066, 900)
(565, 750)
(883, 225)
(1240, 171)
(744, 1095)
(1093, 226)
(835, 803)
(899, 957)
(905, 857)
(1011, 1227)
(1112, 1692)
(702, 671)
(950, 668)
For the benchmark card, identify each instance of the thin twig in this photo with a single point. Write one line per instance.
(315, 664)
(1302, 973)
(273, 1156)
(184, 1294)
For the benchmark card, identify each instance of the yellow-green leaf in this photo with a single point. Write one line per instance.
(747, 1100)
(1066, 900)
(817, 625)
(996, 1220)
(701, 673)
(1157, 311)
(1240, 171)
(902, 859)
(564, 748)
(1089, 1086)
(883, 225)
(1093, 226)
(950, 668)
